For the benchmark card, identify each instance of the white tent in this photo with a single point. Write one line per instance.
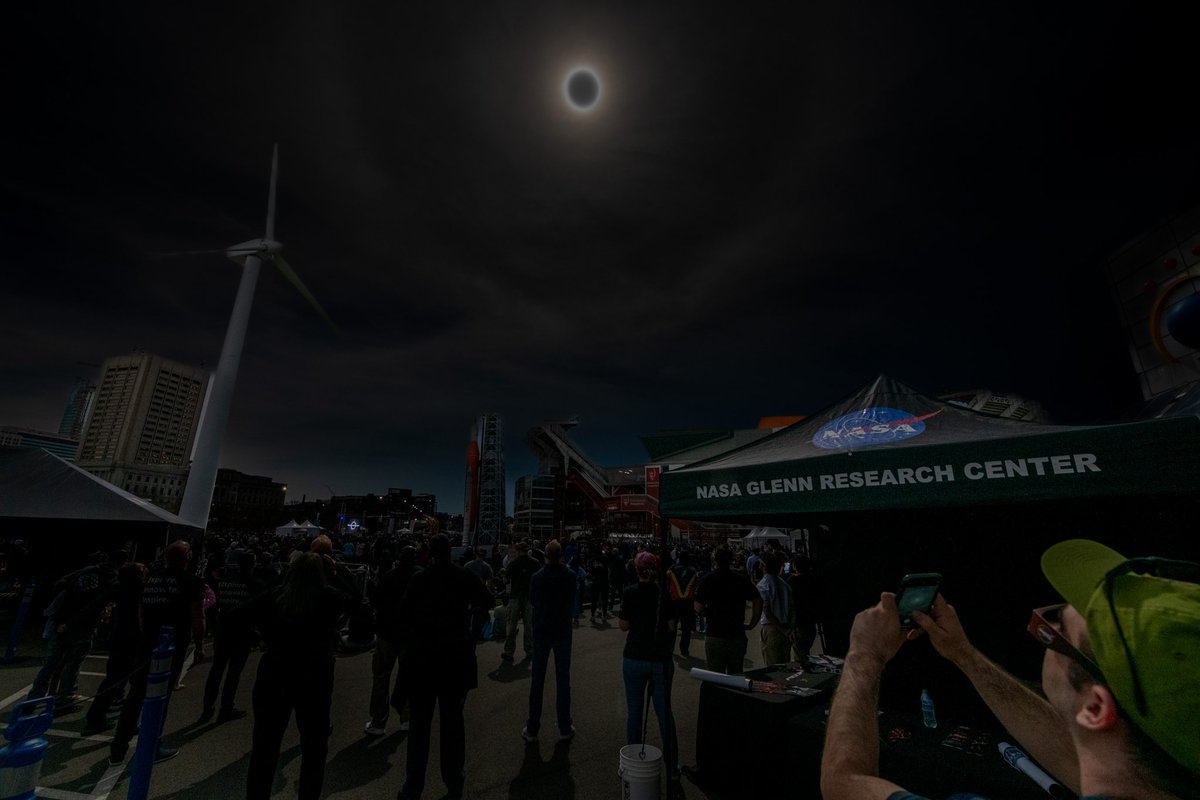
(760, 537)
(294, 528)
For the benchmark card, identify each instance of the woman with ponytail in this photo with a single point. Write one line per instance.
(648, 617)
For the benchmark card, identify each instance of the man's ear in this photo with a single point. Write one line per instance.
(1099, 710)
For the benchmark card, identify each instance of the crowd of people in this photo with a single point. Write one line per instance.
(424, 610)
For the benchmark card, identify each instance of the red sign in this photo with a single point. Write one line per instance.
(652, 477)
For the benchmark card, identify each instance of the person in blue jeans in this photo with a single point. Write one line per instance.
(648, 617)
(552, 592)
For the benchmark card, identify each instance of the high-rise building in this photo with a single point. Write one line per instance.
(143, 423)
(79, 406)
(484, 507)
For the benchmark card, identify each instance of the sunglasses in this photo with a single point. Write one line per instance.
(1045, 625)
(1184, 571)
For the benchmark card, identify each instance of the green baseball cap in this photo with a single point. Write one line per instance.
(1143, 620)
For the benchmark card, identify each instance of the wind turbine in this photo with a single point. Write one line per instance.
(197, 496)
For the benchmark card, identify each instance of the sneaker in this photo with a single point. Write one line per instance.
(206, 715)
(506, 657)
(403, 726)
(69, 700)
(230, 714)
(116, 754)
(371, 729)
(530, 738)
(567, 734)
(165, 753)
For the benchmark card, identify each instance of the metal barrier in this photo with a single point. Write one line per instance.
(21, 758)
(154, 710)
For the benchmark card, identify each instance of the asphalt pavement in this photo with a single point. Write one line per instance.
(214, 755)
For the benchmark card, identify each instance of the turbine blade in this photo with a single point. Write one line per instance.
(179, 253)
(271, 196)
(294, 280)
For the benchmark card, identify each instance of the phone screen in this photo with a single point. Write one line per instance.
(916, 598)
(917, 593)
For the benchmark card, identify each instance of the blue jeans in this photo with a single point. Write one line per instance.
(64, 651)
(560, 645)
(658, 675)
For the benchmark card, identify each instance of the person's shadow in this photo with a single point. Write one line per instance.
(508, 672)
(544, 779)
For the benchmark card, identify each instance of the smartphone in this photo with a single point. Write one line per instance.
(917, 592)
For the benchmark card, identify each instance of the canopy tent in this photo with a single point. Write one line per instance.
(761, 536)
(901, 482)
(35, 484)
(887, 446)
(63, 514)
(294, 528)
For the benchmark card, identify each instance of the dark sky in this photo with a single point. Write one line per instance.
(770, 205)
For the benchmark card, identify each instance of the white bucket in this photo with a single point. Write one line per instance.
(640, 777)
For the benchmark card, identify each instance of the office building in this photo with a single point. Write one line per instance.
(143, 423)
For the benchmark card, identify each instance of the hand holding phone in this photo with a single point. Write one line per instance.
(917, 593)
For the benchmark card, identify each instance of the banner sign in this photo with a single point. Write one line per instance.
(1136, 458)
(1069, 464)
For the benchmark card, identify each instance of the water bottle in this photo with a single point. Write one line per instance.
(927, 712)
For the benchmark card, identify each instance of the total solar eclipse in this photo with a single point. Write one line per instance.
(582, 89)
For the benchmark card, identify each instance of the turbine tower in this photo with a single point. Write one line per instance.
(197, 497)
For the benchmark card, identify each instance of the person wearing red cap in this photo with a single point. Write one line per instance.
(1121, 713)
(648, 617)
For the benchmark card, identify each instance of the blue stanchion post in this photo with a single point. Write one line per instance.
(14, 636)
(154, 709)
(21, 758)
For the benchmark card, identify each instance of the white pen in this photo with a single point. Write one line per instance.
(1019, 761)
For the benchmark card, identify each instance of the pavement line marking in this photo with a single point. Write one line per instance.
(93, 674)
(61, 794)
(187, 663)
(107, 782)
(12, 698)
(102, 658)
(95, 737)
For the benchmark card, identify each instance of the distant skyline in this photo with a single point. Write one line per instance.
(766, 206)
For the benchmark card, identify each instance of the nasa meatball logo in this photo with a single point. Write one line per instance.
(870, 426)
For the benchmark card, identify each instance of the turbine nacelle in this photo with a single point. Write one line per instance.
(259, 247)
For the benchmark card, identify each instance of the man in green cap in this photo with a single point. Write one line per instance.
(1121, 676)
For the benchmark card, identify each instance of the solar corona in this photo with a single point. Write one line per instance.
(582, 89)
